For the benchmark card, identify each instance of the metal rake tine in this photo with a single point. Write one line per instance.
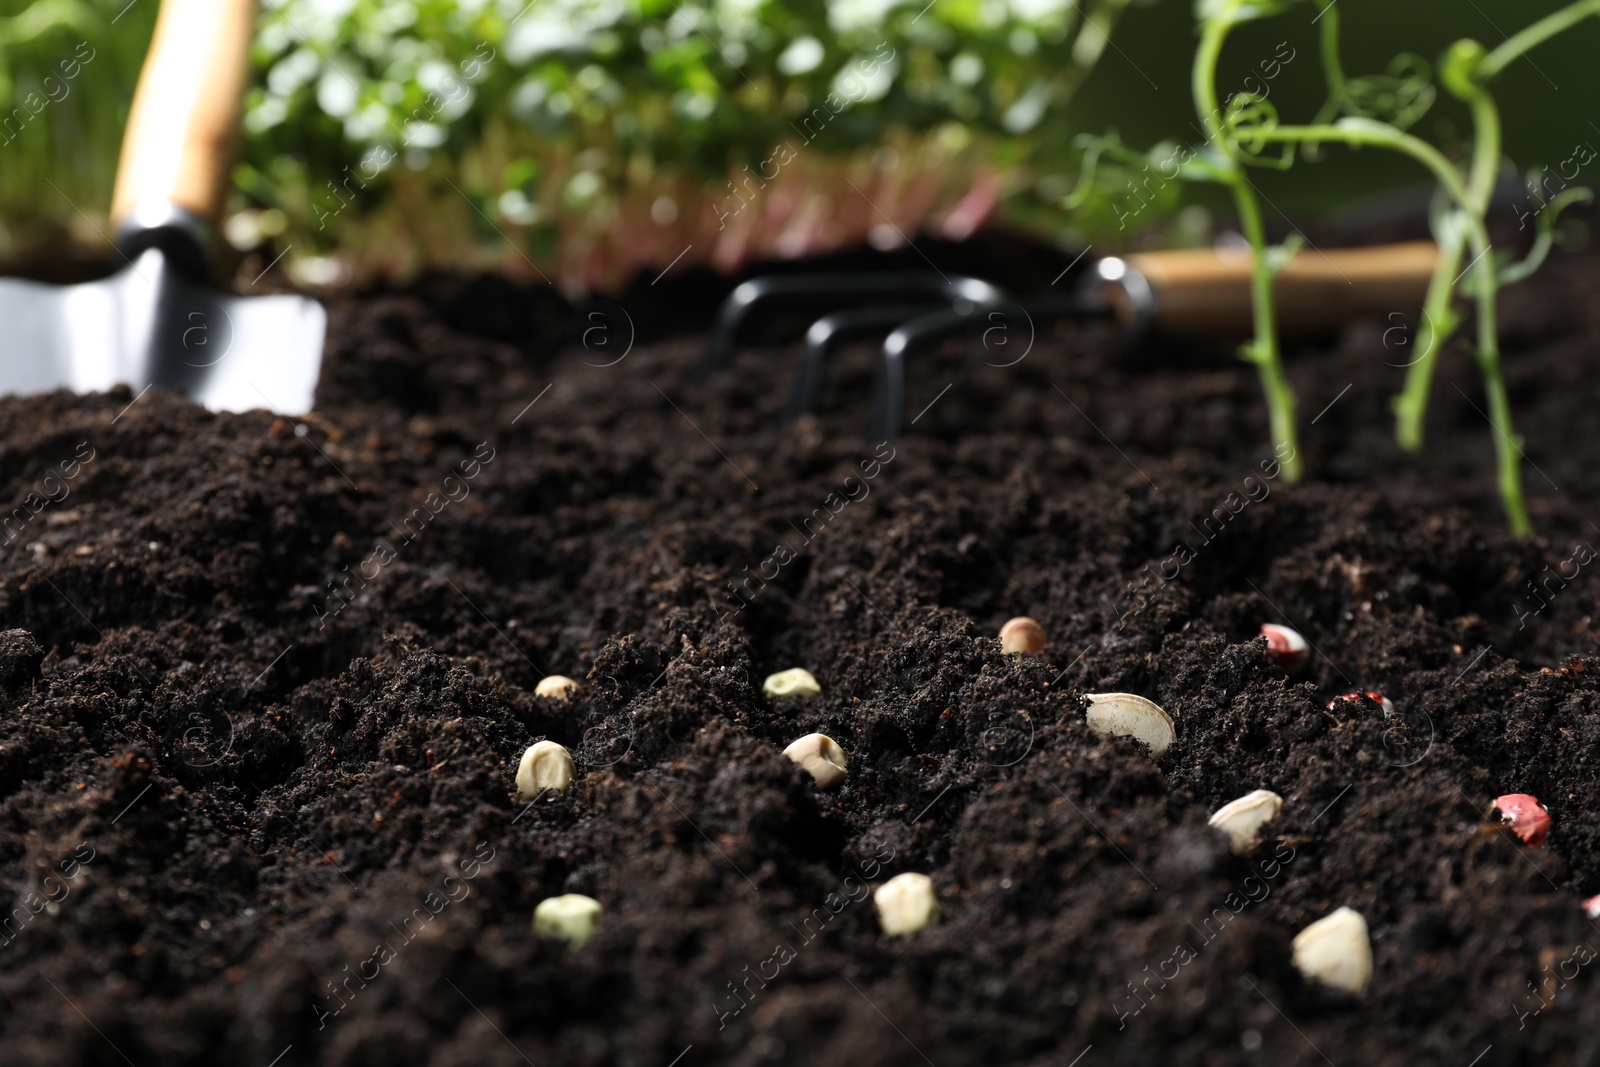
(833, 288)
(889, 402)
(918, 333)
(829, 331)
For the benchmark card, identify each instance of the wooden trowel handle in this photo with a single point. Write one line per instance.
(179, 140)
(1206, 292)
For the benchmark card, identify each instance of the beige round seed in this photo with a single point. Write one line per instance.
(572, 917)
(1128, 715)
(1336, 952)
(556, 687)
(822, 758)
(1243, 819)
(546, 765)
(1022, 635)
(794, 682)
(906, 903)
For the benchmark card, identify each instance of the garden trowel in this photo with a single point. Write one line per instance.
(156, 321)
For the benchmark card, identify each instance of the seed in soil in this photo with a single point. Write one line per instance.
(821, 757)
(794, 682)
(1243, 819)
(1127, 715)
(906, 903)
(1528, 818)
(1285, 647)
(556, 687)
(1023, 635)
(1354, 696)
(572, 917)
(1336, 952)
(1591, 908)
(546, 765)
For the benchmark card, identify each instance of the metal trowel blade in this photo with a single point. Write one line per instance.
(148, 324)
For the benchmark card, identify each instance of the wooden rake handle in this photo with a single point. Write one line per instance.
(1206, 292)
(185, 113)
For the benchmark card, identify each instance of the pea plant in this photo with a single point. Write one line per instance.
(1378, 111)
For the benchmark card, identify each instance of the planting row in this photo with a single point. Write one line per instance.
(1334, 951)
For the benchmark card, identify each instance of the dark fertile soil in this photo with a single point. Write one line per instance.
(246, 784)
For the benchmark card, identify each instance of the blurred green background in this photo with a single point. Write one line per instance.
(592, 139)
(1549, 101)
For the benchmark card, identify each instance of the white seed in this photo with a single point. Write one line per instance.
(794, 682)
(1335, 951)
(822, 758)
(1243, 819)
(556, 687)
(906, 903)
(1023, 635)
(546, 765)
(571, 917)
(1127, 715)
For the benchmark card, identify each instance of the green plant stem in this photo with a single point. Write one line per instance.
(1332, 64)
(1516, 46)
(1485, 151)
(1438, 323)
(1332, 68)
(1480, 186)
(1468, 214)
(1544, 239)
(1507, 445)
(1357, 132)
(1439, 317)
(1263, 351)
(1411, 406)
